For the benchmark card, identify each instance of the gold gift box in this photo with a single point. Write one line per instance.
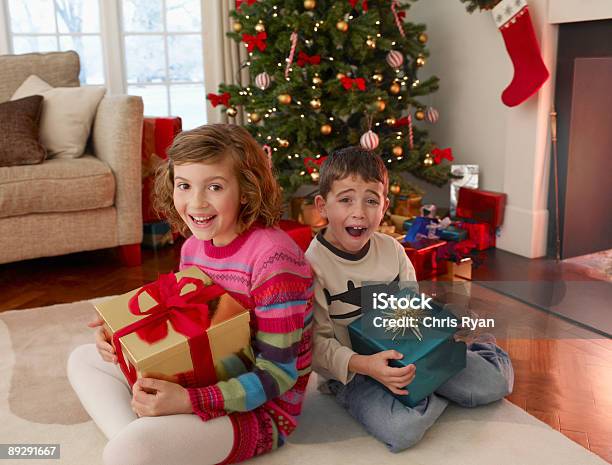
(229, 333)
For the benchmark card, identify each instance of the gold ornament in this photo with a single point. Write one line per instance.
(381, 105)
(395, 88)
(315, 104)
(423, 38)
(237, 27)
(254, 117)
(310, 4)
(315, 176)
(340, 76)
(371, 42)
(395, 189)
(391, 121)
(260, 27)
(317, 81)
(342, 26)
(326, 129)
(231, 111)
(398, 151)
(428, 160)
(377, 78)
(283, 143)
(420, 61)
(419, 114)
(284, 99)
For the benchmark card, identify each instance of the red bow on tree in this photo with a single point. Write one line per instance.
(309, 161)
(304, 59)
(405, 121)
(441, 154)
(222, 99)
(240, 2)
(364, 4)
(401, 14)
(258, 41)
(348, 82)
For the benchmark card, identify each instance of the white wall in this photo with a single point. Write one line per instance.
(509, 144)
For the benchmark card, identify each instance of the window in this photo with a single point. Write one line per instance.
(159, 43)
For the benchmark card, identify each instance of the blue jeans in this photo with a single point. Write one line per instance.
(487, 377)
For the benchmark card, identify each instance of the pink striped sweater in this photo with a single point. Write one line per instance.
(266, 271)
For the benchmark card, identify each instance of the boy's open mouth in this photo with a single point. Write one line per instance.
(356, 231)
(202, 220)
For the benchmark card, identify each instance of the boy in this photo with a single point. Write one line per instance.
(353, 189)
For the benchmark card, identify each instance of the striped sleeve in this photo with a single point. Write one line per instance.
(282, 291)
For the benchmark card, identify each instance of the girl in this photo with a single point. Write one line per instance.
(218, 185)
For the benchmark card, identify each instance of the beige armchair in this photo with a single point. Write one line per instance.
(68, 205)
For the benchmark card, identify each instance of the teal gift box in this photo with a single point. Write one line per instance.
(452, 233)
(436, 355)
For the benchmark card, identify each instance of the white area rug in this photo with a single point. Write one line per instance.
(37, 405)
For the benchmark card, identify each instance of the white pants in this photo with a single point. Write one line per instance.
(172, 439)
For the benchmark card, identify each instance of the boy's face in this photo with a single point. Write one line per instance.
(354, 208)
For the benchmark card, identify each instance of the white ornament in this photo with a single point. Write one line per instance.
(369, 140)
(262, 80)
(432, 115)
(395, 59)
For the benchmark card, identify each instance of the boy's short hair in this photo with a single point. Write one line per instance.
(352, 161)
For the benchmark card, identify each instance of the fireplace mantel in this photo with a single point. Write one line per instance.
(571, 11)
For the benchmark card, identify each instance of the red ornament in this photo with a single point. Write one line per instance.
(364, 4)
(348, 83)
(305, 59)
(441, 154)
(258, 41)
(221, 99)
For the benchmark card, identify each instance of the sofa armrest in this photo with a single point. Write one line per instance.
(117, 138)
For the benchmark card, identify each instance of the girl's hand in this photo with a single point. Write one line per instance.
(377, 366)
(105, 349)
(155, 397)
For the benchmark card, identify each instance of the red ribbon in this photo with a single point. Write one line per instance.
(304, 59)
(188, 315)
(440, 155)
(221, 99)
(364, 4)
(240, 2)
(348, 83)
(309, 161)
(258, 41)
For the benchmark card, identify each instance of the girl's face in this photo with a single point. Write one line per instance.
(207, 197)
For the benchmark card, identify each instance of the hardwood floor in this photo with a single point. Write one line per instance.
(565, 381)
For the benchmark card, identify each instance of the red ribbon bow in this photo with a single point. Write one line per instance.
(188, 315)
(221, 99)
(441, 154)
(401, 14)
(364, 4)
(258, 41)
(309, 161)
(402, 122)
(348, 82)
(240, 2)
(304, 59)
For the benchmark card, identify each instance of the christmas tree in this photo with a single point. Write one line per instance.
(327, 74)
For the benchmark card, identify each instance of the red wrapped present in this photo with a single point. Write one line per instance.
(300, 233)
(482, 206)
(423, 254)
(157, 136)
(482, 235)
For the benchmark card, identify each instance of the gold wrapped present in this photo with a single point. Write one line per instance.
(181, 327)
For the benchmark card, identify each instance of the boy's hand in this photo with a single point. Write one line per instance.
(377, 366)
(154, 397)
(105, 349)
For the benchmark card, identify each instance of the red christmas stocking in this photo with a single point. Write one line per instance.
(514, 22)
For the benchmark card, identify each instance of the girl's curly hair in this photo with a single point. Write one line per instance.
(207, 144)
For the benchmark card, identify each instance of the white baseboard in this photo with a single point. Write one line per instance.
(524, 232)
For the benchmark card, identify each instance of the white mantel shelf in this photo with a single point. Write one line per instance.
(571, 11)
